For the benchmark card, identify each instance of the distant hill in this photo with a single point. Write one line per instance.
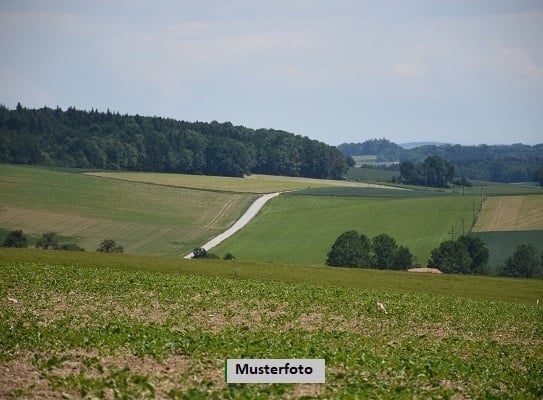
(106, 140)
(498, 163)
(413, 145)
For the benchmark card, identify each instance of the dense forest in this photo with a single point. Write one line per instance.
(106, 140)
(499, 163)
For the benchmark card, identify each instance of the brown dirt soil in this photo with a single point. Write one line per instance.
(20, 378)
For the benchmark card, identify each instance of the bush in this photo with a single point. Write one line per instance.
(200, 252)
(229, 256)
(71, 247)
(467, 255)
(451, 257)
(15, 239)
(350, 249)
(524, 262)
(109, 246)
(48, 241)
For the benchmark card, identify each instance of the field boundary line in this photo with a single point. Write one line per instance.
(174, 186)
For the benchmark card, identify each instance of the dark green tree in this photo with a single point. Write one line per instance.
(478, 253)
(437, 171)
(109, 246)
(350, 249)
(523, 263)
(48, 241)
(199, 252)
(15, 238)
(403, 259)
(538, 176)
(384, 251)
(409, 173)
(451, 257)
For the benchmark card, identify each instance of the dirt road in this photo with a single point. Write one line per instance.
(240, 223)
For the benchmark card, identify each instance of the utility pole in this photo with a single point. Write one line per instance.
(473, 215)
(463, 232)
(452, 232)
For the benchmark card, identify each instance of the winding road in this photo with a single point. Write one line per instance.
(240, 223)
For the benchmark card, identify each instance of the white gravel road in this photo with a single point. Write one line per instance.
(240, 223)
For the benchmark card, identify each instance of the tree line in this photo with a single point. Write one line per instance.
(49, 241)
(106, 140)
(465, 255)
(498, 163)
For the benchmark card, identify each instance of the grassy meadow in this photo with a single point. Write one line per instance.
(501, 245)
(301, 229)
(259, 184)
(126, 326)
(143, 218)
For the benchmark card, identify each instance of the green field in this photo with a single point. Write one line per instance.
(250, 184)
(502, 244)
(302, 229)
(371, 174)
(144, 218)
(122, 326)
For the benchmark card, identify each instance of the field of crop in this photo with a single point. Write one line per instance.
(251, 184)
(302, 229)
(502, 244)
(144, 218)
(511, 213)
(76, 330)
(371, 174)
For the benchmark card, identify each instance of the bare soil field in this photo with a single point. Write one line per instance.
(511, 213)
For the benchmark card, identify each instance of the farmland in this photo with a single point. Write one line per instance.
(86, 325)
(250, 184)
(125, 326)
(301, 229)
(144, 218)
(511, 213)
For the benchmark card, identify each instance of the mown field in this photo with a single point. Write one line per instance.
(302, 228)
(144, 218)
(251, 184)
(129, 327)
(511, 213)
(507, 221)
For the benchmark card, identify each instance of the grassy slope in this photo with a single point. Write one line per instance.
(302, 229)
(476, 287)
(143, 218)
(502, 244)
(92, 329)
(251, 184)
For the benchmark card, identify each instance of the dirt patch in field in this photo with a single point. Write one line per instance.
(20, 379)
(511, 213)
(28, 376)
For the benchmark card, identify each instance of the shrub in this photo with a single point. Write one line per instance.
(350, 249)
(200, 252)
(523, 263)
(48, 241)
(71, 247)
(109, 246)
(15, 239)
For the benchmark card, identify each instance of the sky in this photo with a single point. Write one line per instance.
(455, 71)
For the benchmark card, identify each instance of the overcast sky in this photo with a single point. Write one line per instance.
(457, 71)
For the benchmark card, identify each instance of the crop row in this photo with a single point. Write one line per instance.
(99, 331)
